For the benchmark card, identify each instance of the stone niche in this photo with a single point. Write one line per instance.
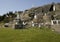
(55, 22)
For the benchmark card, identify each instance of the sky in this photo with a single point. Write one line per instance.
(21, 5)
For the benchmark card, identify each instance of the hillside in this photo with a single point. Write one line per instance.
(28, 33)
(48, 9)
(41, 14)
(45, 8)
(35, 10)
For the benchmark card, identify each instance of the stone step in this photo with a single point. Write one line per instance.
(56, 28)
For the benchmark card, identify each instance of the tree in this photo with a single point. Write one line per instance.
(31, 15)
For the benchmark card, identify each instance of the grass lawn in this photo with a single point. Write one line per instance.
(28, 35)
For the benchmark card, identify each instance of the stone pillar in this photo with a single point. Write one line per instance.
(32, 24)
(52, 22)
(45, 14)
(57, 22)
(39, 25)
(17, 15)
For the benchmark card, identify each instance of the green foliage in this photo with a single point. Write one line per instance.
(58, 17)
(7, 17)
(31, 15)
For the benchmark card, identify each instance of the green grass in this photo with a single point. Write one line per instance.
(28, 35)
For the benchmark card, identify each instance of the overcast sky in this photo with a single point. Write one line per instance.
(21, 5)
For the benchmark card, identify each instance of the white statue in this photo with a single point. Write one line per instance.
(35, 17)
(53, 7)
(17, 15)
